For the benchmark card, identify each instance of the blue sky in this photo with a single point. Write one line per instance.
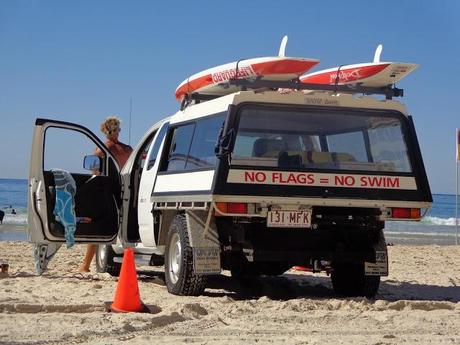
(80, 61)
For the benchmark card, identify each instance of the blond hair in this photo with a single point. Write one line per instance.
(110, 125)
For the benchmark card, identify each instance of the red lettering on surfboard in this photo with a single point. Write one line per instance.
(345, 76)
(225, 75)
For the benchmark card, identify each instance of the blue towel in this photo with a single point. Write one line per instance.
(64, 209)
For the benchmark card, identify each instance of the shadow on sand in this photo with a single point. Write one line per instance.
(291, 286)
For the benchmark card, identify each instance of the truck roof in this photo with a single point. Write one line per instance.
(313, 98)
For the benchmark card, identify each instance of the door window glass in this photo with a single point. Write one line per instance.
(156, 146)
(65, 149)
(143, 156)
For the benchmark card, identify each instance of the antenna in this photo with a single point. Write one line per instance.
(282, 50)
(130, 112)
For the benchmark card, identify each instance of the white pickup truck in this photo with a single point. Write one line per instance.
(254, 182)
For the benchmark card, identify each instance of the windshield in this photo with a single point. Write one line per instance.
(321, 139)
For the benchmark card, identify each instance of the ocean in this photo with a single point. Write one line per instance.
(13, 195)
(437, 227)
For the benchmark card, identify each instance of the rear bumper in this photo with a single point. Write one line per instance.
(333, 202)
(293, 201)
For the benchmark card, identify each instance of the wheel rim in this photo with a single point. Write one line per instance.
(102, 254)
(174, 258)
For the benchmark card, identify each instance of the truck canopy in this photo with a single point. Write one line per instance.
(318, 146)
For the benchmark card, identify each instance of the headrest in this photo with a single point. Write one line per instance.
(260, 147)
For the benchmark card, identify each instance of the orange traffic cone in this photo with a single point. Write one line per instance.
(127, 298)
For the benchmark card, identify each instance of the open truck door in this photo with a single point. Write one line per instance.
(70, 149)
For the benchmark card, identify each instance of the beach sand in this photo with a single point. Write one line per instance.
(418, 303)
(13, 227)
(13, 232)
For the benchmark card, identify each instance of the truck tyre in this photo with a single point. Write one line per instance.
(349, 280)
(180, 275)
(104, 260)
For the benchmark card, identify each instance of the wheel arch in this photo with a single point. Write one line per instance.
(167, 217)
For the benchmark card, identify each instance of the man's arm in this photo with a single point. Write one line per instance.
(98, 152)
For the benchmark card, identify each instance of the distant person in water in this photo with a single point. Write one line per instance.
(2, 214)
(13, 211)
(111, 128)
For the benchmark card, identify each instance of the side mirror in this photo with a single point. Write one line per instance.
(92, 163)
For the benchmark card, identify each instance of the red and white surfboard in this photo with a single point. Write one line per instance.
(276, 68)
(266, 68)
(372, 74)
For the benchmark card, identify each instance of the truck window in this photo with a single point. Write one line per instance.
(383, 141)
(192, 145)
(156, 146)
(202, 152)
(353, 143)
(180, 146)
(321, 139)
(71, 158)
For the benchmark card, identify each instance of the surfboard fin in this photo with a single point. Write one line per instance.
(282, 50)
(378, 52)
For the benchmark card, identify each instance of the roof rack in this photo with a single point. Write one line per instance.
(245, 84)
(295, 84)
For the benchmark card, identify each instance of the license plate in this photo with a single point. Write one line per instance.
(289, 219)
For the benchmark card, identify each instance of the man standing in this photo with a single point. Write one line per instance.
(121, 152)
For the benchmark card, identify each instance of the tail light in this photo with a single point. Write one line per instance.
(405, 213)
(232, 207)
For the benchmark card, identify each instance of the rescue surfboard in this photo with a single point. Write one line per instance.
(371, 74)
(275, 68)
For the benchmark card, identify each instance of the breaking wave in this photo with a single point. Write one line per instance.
(439, 221)
(19, 219)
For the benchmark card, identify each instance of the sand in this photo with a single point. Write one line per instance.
(418, 303)
(13, 227)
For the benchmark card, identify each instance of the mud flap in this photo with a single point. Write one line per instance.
(204, 241)
(43, 253)
(380, 266)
